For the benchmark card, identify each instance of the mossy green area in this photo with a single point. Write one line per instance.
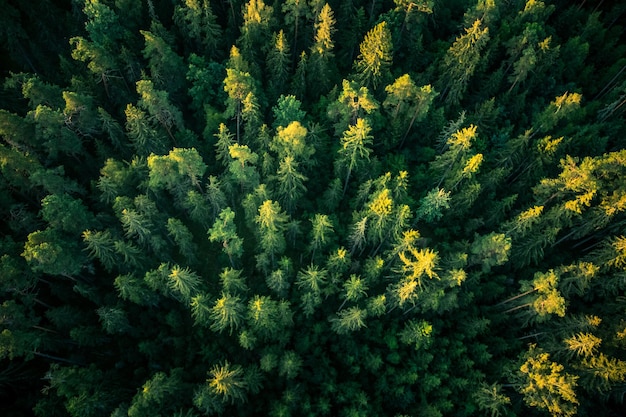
(309, 208)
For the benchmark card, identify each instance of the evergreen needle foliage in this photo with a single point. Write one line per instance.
(312, 208)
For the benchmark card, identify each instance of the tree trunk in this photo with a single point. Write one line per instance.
(508, 300)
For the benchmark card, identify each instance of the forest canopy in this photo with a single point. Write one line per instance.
(312, 208)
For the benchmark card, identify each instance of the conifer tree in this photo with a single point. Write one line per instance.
(405, 101)
(322, 53)
(157, 104)
(167, 68)
(321, 227)
(224, 231)
(461, 61)
(240, 87)
(354, 102)
(375, 56)
(256, 28)
(299, 82)
(122, 147)
(199, 25)
(101, 49)
(271, 221)
(544, 384)
(295, 11)
(278, 63)
(290, 183)
(354, 149)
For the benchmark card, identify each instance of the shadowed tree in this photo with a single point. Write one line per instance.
(295, 11)
(348, 320)
(157, 104)
(461, 61)
(167, 68)
(490, 398)
(278, 63)
(198, 24)
(321, 228)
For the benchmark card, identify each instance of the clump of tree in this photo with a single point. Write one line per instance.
(311, 208)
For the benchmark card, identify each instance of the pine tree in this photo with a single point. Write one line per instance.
(278, 63)
(242, 166)
(198, 25)
(290, 183)
(354, 102)
(271, 221)
(291, 141)
(321, 55)
(102, 47)
(354, 149)
(321, 228)
(541, 295)
(227, 382)
(227, 312)
(183, 238)
(157, 104)
(255, 30)
(355, 288)
(461, 61)
(240, 86)
(224, 230)
(294, 11)
(544, 384)
(298, 85)
(490, 399)
(374, 60)
(312, 279)
(405, 101)
(167, 68)
(101, 245)
(142, 133)
(348, 320)
(184, 283)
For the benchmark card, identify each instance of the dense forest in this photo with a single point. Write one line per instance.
(312, 208)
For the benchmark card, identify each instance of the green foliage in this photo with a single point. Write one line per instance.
(354, 150)
(198, 24)
(183, 282)
(462, 59)
(348, 320)
(226, 382)
(405, 101)
(224, 231)
(491, 250)
(279, 61)
(167, 68)
(490, 399)
(312, 208)
(227, 312)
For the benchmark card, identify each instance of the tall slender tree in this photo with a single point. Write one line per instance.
(354, 150)
(374, 60)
